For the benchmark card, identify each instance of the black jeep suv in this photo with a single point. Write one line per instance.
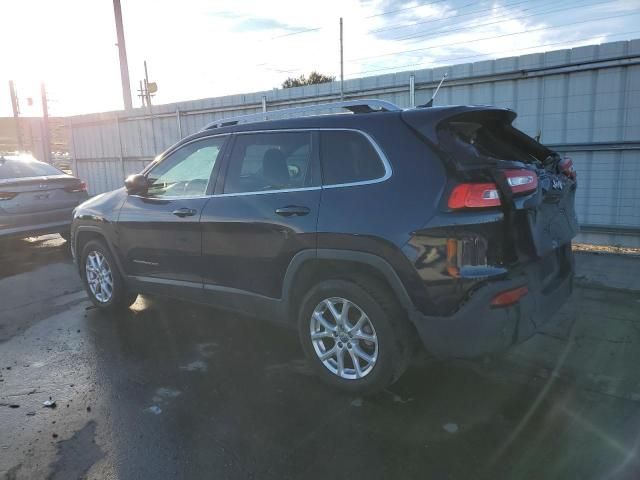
(367, 231)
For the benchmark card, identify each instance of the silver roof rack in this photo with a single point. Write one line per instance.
(355, 106)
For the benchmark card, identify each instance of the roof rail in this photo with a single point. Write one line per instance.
(355, 106)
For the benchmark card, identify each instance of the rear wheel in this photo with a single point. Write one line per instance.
(102, 279)
(354, 334)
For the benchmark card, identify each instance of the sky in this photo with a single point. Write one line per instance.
(207, 48)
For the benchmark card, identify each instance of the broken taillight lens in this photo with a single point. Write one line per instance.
(566, 167)
(482, 195)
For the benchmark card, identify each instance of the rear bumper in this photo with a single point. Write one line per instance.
(35, 230)
(478, 329)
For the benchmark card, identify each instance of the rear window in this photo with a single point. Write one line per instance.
(476, 142)
(348, 157)
(10, 168)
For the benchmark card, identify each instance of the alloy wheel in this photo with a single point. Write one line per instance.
(99, 276)
(344, 338)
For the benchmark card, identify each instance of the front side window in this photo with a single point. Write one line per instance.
(187, 171)
(270, 161)
(348, 157)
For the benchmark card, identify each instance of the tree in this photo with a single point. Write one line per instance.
(301, 81)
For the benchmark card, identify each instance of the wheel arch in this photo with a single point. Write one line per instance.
(309, 266)
(84, 234)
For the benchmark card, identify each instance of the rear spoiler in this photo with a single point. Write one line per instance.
(428, 120)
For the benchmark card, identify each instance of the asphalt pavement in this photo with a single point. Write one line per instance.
(174, 390)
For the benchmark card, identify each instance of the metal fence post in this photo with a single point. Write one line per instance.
(412, 91)
(121, 154)
(178, 124)
(74, 158)
(264, 106)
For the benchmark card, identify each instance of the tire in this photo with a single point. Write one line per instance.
(390, 347)
(117, 297)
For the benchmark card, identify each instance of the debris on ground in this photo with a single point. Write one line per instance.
(154, 409)
(88, 409)
(30, 414)
(49, 403)
(197, 366)
(357, 402)
(14, 405)
(55, 435)
(450, 427)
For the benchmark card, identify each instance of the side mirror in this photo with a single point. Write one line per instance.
(136, 184)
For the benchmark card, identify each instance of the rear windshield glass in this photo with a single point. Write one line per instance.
(477, 142)
(10, 168)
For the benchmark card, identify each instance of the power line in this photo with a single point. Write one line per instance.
(493, 37)
(389, 12)
(529, 15)
(290, 34)
(412, 24)
(453, 59)
(315, 29)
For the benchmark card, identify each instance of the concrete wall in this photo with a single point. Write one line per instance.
(583, 101)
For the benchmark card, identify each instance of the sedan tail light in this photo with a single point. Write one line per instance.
(7, 195)
(78, 187)
(482, 195)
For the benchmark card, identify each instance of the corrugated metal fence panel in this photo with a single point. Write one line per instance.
(575, 98)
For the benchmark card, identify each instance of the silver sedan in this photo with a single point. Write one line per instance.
(36, 198)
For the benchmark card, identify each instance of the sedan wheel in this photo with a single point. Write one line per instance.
(344, 338)
(99, 276)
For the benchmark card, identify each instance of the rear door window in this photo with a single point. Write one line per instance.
(270, 161)
(348, 157)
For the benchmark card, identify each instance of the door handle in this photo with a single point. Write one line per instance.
(184, 212)
(292, 211)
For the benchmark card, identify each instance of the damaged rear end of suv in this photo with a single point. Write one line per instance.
(501, 237)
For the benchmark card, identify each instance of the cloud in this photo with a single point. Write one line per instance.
(258, 24)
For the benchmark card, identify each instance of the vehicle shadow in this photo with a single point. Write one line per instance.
(27, 254)
(218, 394)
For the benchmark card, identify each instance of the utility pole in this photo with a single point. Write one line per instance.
(122, 51)
(341, 64)
(16, 114)
(46, 140)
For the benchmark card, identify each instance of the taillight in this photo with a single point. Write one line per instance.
(521, 180)
(79, 187)
(510, 297)
(474, 195)
(7, 195)
(482, 195)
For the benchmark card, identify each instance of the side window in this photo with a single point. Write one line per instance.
(348, 157)
(187, 171)
(269, 161)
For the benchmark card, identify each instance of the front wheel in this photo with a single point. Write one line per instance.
(102, 279)
(354, 335)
